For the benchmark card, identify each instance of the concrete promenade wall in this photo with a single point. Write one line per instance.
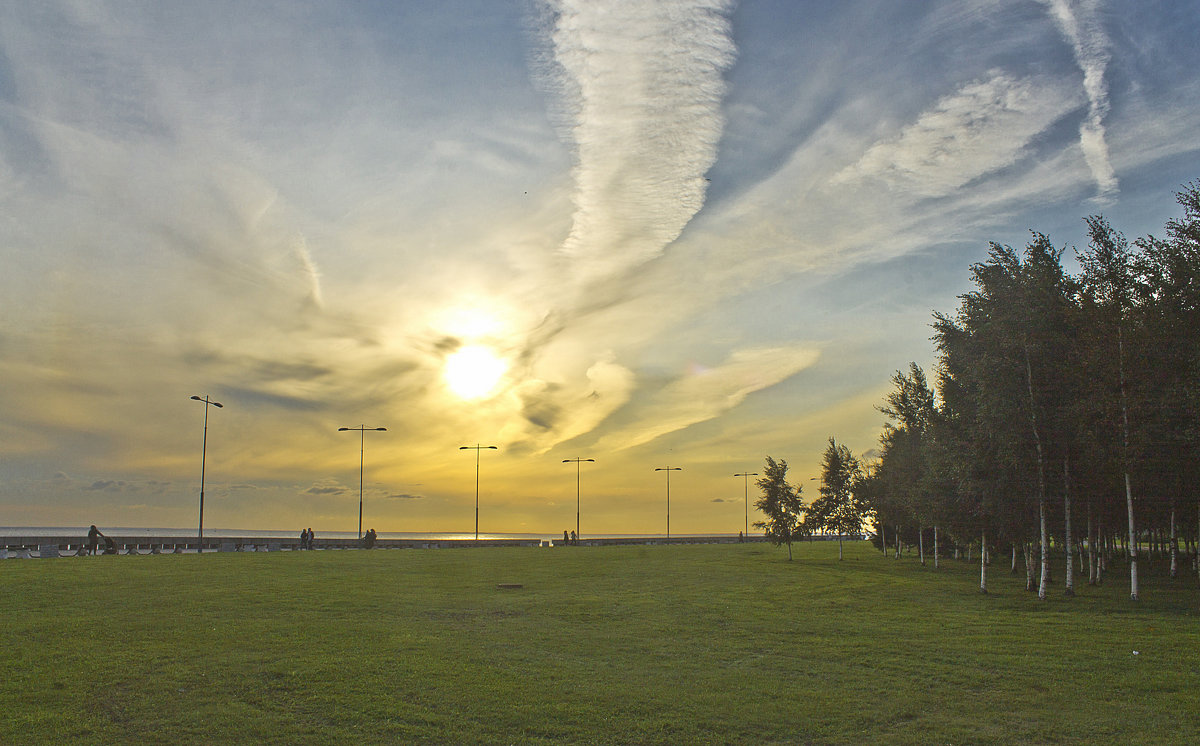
(33, 546)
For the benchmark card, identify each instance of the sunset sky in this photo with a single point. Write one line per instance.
(686, 233)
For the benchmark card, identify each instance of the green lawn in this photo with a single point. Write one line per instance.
(657, 644)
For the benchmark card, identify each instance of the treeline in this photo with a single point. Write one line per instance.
(1063, 415)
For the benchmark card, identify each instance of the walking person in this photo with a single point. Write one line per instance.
(304, 538)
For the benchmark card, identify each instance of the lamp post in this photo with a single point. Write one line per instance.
(576, 461)
(668, 470)
(477, 448)
(362, 447)
(747, 475)
(203, 453)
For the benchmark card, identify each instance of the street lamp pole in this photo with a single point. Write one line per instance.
(747, 475)
(477, 448)
(203, 454)
(362, 447)
(668, 470)
(576, 461)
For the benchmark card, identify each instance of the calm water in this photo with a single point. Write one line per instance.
(219, 533)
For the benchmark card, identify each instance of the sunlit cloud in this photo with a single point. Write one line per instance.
(981, 128)
(1079, 22)
(638, 91)
(705, 393)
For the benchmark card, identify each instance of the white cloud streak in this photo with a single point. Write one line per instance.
(1079, 22)
(708, 393)
(981, 128)
(639, 88)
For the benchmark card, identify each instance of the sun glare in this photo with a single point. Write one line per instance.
(473, 371)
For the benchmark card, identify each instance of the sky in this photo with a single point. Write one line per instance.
(684, 233)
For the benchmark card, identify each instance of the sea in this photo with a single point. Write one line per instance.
(236, 533)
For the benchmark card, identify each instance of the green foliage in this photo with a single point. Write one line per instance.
(664, 644)
(1061, 400)
(838, 508)
(780, 504)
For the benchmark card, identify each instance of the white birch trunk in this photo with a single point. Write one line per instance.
(1091, 545)
(982, 561)
(897, 542)
(935, 548)
(1041, 469)
(1028, 549)
(1013, 570)
(1133, 558)
(1133, 578)
(921, 543)
(1067, 539)
(1174, 543)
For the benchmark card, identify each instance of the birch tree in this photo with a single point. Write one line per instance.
(837, 508)
(1107, 273)
(780, 504)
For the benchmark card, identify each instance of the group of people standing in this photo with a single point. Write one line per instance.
(306, 538)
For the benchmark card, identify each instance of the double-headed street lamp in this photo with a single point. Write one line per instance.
(203, 453)
(362, 431)
(577, 461)
(477, 448)
(747, 475)
(668, 470)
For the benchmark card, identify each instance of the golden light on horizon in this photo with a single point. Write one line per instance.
(474, 371)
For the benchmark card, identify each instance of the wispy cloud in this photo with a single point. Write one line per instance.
(1079, 22)
(639, 88)
(708, 392)
(979, 129)
(326, 487)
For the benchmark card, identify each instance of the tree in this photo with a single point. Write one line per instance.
(780, 503)
(837, 509)
(1107, 274)
(904, 454)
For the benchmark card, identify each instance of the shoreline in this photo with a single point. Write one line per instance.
(53, 546)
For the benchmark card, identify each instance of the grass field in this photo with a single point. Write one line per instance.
(656, 644)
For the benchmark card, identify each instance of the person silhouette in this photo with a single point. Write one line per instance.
(93, 539)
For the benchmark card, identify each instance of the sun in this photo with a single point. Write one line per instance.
(473, 371)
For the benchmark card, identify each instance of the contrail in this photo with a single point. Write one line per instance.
(639, 86)
(1079, 22)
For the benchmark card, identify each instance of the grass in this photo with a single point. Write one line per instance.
(662, 644)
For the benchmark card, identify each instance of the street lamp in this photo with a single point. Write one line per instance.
(362, 445)
(576, 460)
(203, 453)
(747, 475)
(668, 470)
(477, 448)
